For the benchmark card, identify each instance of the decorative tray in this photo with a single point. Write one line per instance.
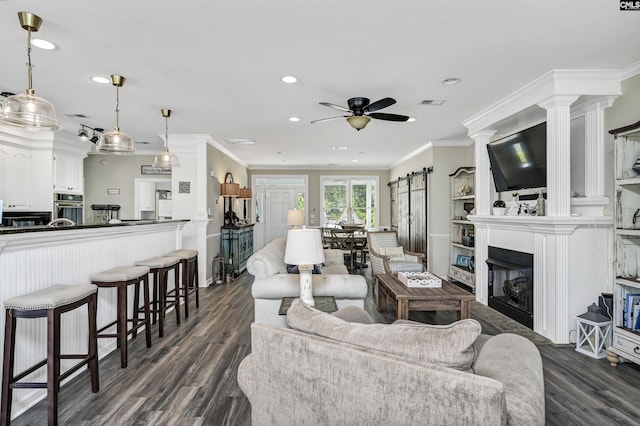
(419, 279)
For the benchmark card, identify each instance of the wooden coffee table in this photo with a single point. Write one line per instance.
(446, 298)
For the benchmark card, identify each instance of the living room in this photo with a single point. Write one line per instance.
(227, 311)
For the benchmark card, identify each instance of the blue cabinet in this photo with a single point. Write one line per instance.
(237, 245)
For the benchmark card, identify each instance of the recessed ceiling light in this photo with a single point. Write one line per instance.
(332, 164)
(241, 141)
(411, 120)
(432, 102)
(142, 143)
(289, 79)
(354, 161)
(100, 79)
(294, 119)
(451, 81)
(339, 148)
(279, 152)
(43, 44)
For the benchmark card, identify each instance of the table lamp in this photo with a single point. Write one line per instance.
(304, 248)
(295, 218)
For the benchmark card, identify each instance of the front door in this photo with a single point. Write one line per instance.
(278, 202)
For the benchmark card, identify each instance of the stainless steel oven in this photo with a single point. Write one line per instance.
(68, 206)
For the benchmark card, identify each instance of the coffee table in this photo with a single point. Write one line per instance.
(446, 298)
(322, 303)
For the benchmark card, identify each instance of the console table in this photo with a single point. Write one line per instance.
(237, 245)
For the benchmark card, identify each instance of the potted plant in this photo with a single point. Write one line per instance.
(499, 208)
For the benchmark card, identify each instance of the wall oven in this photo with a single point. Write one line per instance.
(68, 206)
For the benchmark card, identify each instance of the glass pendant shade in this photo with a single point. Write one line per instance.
(26, 110)
(30, 112)
(115, 142)
(358, 122)
(166, 159)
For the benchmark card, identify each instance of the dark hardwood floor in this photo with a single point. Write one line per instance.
(189, 376)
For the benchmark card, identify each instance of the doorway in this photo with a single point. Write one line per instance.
(274, 196)
(147, 198)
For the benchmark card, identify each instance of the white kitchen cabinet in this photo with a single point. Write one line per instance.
(68, 176)
(15, 178)
(147, 196)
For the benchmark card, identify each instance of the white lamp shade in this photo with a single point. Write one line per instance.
(304, 247)
(295, 218)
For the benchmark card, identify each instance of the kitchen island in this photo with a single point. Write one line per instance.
(32, 258)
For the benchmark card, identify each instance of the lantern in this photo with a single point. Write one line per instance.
(593, 332)
(218, 269)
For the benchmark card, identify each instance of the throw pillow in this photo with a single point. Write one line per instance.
(293, 269)
(446, 345)
(394, 253)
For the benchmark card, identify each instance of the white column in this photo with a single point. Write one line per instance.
(483, 174)
(594, 147)
(558, 154)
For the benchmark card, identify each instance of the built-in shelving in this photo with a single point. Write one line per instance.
(462, 246)
(626, 340)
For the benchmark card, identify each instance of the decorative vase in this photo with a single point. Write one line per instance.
(498, 211)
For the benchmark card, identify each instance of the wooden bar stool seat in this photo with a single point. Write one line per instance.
(162, 299)
(189, 264)
(120, 278)
(48, 303)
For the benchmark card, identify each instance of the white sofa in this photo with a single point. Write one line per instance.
(272, 282)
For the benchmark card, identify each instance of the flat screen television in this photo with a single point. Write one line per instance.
(519, 161)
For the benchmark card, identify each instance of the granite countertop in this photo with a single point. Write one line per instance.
(4, 230)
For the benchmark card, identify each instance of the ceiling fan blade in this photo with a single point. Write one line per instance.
(330, 105)
(378, 105)
(329, 119)
(388, 117)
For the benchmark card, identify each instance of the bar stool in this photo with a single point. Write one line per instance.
(159, 267)
(120, 278)
(48, 303)
(189, 263)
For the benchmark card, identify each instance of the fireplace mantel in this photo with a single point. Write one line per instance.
(540, 224)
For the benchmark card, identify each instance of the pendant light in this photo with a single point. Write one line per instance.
(165, 158)
(116, 141)
(26, 110)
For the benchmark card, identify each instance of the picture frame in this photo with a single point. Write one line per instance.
(463, 261)
(150, 170)
(113, 191)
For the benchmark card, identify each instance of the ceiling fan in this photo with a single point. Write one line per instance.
(361, 112)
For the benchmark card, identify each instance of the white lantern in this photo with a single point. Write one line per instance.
(593, 333)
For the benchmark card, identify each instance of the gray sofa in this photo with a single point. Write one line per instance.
(272, 282)
(327, 371)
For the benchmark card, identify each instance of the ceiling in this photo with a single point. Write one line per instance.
(218, 65)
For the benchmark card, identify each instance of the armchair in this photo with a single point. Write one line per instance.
(383, 263)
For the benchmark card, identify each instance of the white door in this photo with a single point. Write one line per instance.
(278, 202)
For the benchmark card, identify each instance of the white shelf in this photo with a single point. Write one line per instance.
(463, 246)
(461, 222)
(465, 197)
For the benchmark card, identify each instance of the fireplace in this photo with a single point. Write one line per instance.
(511, 284)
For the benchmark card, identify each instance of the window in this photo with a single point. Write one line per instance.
(349, 200)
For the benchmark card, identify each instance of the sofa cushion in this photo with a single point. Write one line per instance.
(353, 314)
(446, 345)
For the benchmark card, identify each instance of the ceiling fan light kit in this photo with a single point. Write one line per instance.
(358, 122)
(27, 110)
(362, 111)
(116, 142)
